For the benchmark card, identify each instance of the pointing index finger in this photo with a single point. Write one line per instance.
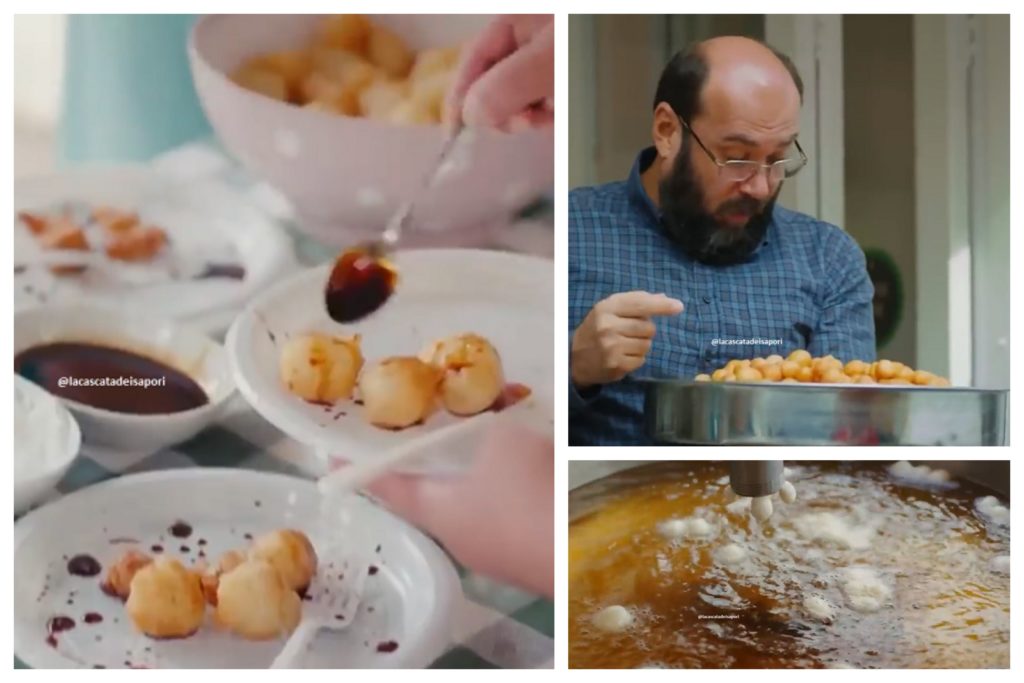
(643, 305)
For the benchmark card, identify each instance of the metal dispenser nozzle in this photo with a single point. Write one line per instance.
(755, 477)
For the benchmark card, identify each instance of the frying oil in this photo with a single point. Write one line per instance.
(863, 570)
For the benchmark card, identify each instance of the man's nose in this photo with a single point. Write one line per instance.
(758, 186)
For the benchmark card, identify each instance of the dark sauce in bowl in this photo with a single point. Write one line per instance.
(87, 364)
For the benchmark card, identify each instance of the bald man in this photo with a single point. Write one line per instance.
(689, 262)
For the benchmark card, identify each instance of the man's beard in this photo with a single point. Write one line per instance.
(699, 233)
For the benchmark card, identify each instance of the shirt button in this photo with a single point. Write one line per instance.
(706, 298)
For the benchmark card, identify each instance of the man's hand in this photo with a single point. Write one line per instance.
(614, 338)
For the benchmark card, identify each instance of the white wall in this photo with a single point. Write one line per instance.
(39, 60)
(38, 70)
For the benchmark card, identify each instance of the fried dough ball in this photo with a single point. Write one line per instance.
(119, 577)
(772, 372)
(381, 97)
(262, 81)
(165, 600)
(329, 95)
(429, 63)
(211, 579)
(347, 70)
(884, 369)
(321, 368)
(254, 602)
(61, 232)
(856, 367)
(801, 356)
(387, 50)
(703, 377)
(923, 377)
(349, 32)
(399, 392)
(136, 243)
(790, 368)
(473, 377)
(35, 223)
(291, 66)
(748, 374)
(115, 221)
(905, 373)
(411, 113)
(290, 553)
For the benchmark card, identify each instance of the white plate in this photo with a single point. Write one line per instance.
(411, 599)
(205, 222)
(507, 298)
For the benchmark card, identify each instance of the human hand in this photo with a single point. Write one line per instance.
(498, 517)
(614, 338)
(506, 78)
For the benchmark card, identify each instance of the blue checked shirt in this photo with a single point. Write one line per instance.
(806, 285)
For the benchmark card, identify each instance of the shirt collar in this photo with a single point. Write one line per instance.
(635, 186)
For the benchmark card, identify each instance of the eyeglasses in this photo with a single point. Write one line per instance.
(741, 170)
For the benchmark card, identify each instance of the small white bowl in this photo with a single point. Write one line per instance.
(175, 344)
(32, 487)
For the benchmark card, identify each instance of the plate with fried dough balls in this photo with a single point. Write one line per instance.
(215, 568)
(465, 332)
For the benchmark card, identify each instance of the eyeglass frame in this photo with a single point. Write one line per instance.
(722, 164)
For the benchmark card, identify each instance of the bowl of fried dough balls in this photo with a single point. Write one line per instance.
(343, 115)
(254, 593)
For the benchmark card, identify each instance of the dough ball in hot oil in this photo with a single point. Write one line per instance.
(761, 508)
(255, 602)
(473, 376)
(819, 608)
(319, 367)
(730, 554)
(166, 600)
(291, 553)
(613, 619)
(399, 392)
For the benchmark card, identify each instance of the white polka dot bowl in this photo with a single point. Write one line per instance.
(345, 176)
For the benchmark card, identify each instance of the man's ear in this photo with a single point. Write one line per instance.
(666, 130)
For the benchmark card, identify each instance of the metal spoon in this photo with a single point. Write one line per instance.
(363, 278)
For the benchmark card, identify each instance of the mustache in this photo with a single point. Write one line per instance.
(747, 205)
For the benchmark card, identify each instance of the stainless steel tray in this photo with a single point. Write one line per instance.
(735, 414)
